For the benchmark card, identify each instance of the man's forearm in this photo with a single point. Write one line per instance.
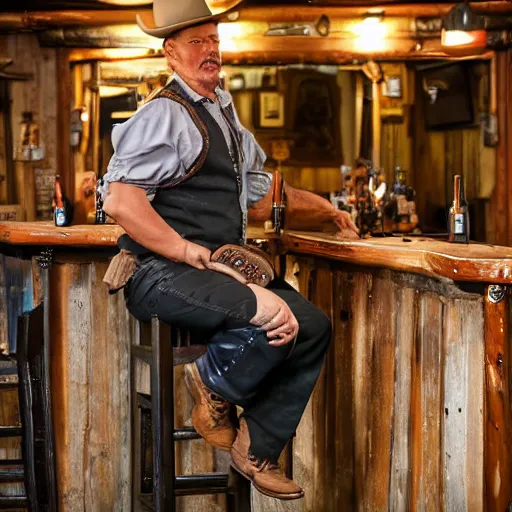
(308, 211)
(304, 210)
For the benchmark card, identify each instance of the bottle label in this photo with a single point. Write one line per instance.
(459, 228)
(60, 217)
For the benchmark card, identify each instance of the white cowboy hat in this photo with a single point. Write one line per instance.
(169, 16)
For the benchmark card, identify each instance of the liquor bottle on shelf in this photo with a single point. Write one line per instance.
(62, 210)
(458, 222)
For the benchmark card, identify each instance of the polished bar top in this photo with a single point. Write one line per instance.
(421, 255)
(46, 233)
(458, 262)
(85, 235)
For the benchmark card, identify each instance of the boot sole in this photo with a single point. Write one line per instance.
(192, 387)
(266, 492)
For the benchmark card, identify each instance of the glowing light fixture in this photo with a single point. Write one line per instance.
(371, 32)
(228, 34)
(109, 91)
(463, 30)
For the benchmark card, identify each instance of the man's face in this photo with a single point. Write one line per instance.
(194, 54)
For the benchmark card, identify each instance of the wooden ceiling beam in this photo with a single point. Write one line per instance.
(292, 50)
(48, 19)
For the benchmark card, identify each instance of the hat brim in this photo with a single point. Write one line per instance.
(146, 22)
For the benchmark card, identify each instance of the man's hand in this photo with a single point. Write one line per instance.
(347, 228)
(196, 255)
(274, 316)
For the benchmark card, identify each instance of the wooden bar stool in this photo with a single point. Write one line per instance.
(155, 483)
(27, 369)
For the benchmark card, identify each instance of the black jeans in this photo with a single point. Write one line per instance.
(208, 303)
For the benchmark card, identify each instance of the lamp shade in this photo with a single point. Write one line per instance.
(462, 17)
(463, 31)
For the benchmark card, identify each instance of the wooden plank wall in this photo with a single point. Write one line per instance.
(90, 333)
(499, 209)
(396, 421)
(439, 155)
(38, 95)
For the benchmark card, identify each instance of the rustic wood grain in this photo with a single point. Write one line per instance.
(426, 406)
(26, 189)
(4, 154)
(361, 384)
(70, 17)
(500, 213)
(64, 161)
(37, 95)
(46, 233)
(323, 416)
(303, 470)
(396, 422)
(463, 432)
(4, 333)
(81, 235)
(498, 421)
(458, 262)
(90, 383)
(342, 389)
(10, 448)
(380, 374)
(400, 477)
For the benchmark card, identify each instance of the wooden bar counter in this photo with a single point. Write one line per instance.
(412, 411)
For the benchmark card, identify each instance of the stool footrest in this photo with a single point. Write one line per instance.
(10, 431)
(195, 485)
(6, 386)
(7, 502)
(208, 483)
(12, 475)
(185, 434)
(143, 352)
(11, 462)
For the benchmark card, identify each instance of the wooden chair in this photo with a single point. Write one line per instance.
(155, 483)
(29, 373)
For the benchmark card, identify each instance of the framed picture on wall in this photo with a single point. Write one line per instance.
(447, 96)
(271, 109)
(314, 118)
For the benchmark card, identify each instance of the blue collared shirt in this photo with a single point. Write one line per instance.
(160, 142)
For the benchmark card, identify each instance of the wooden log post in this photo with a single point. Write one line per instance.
(498, 424)
(26, 189)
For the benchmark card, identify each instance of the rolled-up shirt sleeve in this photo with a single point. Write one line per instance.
(258, 180)
(146, 146)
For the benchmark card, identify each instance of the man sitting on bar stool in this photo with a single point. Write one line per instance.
(182, 176)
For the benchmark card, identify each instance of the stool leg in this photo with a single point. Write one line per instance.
(162, 411)
(239, 497)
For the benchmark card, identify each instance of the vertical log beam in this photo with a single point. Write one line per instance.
(500, 212)
(498, 425)
(64, 100)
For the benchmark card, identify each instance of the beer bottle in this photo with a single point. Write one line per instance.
(458, 222)
(62, 209)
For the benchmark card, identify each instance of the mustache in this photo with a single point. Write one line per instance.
(211, 60)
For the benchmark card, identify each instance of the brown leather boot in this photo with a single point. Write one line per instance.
(264, 475)
(210, 416)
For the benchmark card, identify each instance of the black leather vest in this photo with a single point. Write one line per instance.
(203, 206)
